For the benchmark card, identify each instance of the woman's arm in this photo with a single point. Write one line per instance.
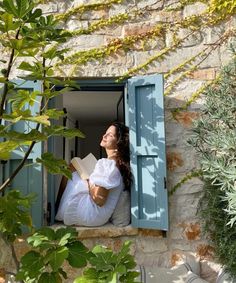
(98, 194)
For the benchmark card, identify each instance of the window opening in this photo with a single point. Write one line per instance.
(91, 109)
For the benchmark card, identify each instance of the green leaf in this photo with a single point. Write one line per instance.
(129, 277)
(33, 135)
(32, 264)
(90, 275)
(16, 116)
(57, 257)
(124, 250)
(8, 22)
(14, 213)
(54, 165)
(13, 118)
(6, 148)
(41, 119)
(78, 254)
(104, 258)
(33, 15)
(53, 53)
(63, 131)
(61, 232)
(54, 113)
(121, 269)
(26, 66)
(10, 7)
(23, 7)
(38, 240)
(48, 232)
(23, 98)
(52, 277)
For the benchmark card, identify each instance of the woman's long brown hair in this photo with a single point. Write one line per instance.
(123, 156)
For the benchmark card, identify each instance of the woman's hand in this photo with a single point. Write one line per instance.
(71, 167)
(98, 194)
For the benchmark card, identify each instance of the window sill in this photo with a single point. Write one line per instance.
(105, 231)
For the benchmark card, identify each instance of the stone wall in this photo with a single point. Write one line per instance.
(184, 237)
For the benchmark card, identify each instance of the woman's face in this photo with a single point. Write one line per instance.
(109, 139)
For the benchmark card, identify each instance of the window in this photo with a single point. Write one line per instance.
(139, 103)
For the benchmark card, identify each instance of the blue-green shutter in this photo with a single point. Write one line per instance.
(145, 117)
(30, 178)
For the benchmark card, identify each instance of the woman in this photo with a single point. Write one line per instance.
(92, 202)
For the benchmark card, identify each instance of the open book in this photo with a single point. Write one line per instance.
(84, 166)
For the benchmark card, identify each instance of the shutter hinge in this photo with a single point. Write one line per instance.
(164, 182)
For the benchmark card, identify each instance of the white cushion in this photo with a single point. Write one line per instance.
(121, 214)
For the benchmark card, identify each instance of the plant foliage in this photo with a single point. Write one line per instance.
(33, 45)
(107, 266)
(214, 137)
(32, 42)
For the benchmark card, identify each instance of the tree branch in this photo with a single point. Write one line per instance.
(6, 75)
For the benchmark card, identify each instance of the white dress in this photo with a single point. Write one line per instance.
(77, 207)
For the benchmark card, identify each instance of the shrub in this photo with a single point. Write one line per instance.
(214, 138)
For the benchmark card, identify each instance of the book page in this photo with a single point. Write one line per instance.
(84, 166)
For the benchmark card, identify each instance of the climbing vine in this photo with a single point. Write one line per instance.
(37, 36)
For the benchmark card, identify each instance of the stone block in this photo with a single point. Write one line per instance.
(194, 9)
(124, 7)
(184, 207)
(183, 91)
(177, 135)
(212, 35)
(191, 230)
(85, 42)
(151, 244)
(165, 16)
(209, 270)
(49, 8)
(150, 4)
(79, 2)
(204, 251)
(174, 160)
(204, 74)
(186, 118)
(112, 32)
(145, 259)
(141, 57)
(75, 24)
(150, 232)
(94, 15)
(137, 28)
(190, 39)
(181, 245)
(105, 231)
(212, 61)
(192, 186)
